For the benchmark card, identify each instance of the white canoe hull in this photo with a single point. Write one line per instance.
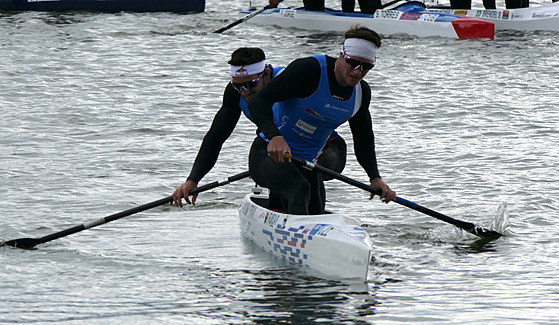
(544, 18)
(415, 21)
(329, 244)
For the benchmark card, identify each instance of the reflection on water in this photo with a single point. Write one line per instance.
(287, 294)
(291, 298)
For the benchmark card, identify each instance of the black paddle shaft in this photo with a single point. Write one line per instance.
(467, 226)
(245, 18)
(28, 243)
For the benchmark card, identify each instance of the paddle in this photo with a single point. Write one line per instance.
(28, 243)
(467, 226)
(245, 18)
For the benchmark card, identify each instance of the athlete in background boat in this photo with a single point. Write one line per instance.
(249, 74)
(366, 6)
(301, 107)
(489, 4)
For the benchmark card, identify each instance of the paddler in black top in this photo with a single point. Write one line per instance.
(249, 74)
(365, 6)
(311, 97)
(489, 4)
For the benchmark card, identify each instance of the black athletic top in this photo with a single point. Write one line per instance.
(301, 79)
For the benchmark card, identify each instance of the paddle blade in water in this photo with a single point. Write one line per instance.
(24, 243)
(499, 225)
(485, 233)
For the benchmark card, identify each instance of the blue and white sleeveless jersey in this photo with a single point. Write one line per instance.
(307, 123)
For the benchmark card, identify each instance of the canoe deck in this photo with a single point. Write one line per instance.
(331, 244)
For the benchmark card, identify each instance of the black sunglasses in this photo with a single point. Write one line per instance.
(247, 85)
(356, 64)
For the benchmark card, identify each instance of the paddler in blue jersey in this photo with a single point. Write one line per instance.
(299, 110)
(249, 74)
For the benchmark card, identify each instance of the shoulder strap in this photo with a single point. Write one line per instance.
(358, 98)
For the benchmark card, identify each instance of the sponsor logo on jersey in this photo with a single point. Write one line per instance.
(305, 126)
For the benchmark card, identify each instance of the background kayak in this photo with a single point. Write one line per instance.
(409, 18)
(535, 18)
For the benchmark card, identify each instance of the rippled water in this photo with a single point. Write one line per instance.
(104, 112)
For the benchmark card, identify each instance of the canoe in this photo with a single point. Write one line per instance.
(411, 18)
(329, 245)
(177, 6)
(545, 17)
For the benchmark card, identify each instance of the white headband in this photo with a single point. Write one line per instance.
(247, 70)
(360, 48)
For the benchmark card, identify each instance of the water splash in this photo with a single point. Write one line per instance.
(501, 221)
